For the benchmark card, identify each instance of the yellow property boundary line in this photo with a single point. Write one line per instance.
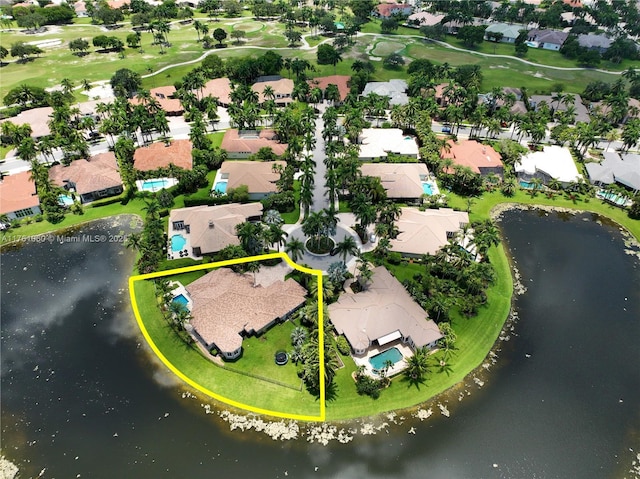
(208, 392)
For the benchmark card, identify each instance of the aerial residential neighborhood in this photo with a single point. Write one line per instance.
(371, 143)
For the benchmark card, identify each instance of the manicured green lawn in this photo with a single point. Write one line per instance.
(482, 206)
(3, 152)
(216, 140)
(90, 213)
(258, 354)
(226, 383)
(293, 216)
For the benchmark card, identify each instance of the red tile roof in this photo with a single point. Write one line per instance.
(233, 142)
(341, 81)
(219, 88)
(160, 155)
(388, 9)
(97, 174)
(472, 154)
(164, 96)
(17, 192)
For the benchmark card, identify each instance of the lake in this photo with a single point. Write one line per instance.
(81, 396)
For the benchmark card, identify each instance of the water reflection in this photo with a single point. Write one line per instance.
(81, 396)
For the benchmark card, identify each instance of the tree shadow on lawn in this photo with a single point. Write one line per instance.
(409, 381)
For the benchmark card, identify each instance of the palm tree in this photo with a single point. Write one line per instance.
(298, 336)
(295, 249)
(253, 267)
(418, 366)
(346, 247)
(277, 235)
(251, 236)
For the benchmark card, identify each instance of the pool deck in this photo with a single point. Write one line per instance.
(181, 290)
(187, 246)
(372, 351)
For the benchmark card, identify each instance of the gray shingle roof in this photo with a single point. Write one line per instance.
(623, 169)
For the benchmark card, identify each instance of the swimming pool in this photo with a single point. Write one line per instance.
(393, 354)
(221, 187)
(529, 186)
(181, 299)
(65, 200)
(155, 185)
(178, 242)
(427, 189)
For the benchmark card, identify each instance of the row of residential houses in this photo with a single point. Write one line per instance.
(98, 177)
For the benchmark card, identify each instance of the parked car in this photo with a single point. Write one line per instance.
(446, 129)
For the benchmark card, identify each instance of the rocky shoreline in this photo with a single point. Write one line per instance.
(8, 470)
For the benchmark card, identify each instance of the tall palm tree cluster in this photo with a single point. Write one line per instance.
(177, 314)
(150, 242)
(453, 279)
(256, 237)
(137, 121)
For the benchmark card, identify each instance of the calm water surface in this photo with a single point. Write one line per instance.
(81, 399)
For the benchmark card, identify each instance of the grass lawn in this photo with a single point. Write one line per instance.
(258, 356)
(482, 206)
(3, 151)
(216, 141)
(293, 216)
(90, 213)
(228, 384)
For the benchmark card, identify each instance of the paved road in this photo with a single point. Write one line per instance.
(320, 201)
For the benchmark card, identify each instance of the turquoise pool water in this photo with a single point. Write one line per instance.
(65, 200)
(154, 185)
(339, 25)
(527, 185)
(427, 189)
(178, 242)
(394, 355)
(181, 299)
(613, 197)
(221, 187)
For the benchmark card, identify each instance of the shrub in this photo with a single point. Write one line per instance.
(343, 345)
(394, 258)
(366, 385)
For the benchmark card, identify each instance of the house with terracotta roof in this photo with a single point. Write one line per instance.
(115, 4)
(97, 177)
(208, 229)
(80, 9)
(36, 118)
(481, 159)
(161, 155)
(425, 232)
(421, 19)
(243, 144)
(228, 307)
(341, 81)
(18, 198)
(382, 315)
(403, 182)
(165, 96)
(259, 176)
(377, 143)
(387, 10)
(282, 89)
(219, 88)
